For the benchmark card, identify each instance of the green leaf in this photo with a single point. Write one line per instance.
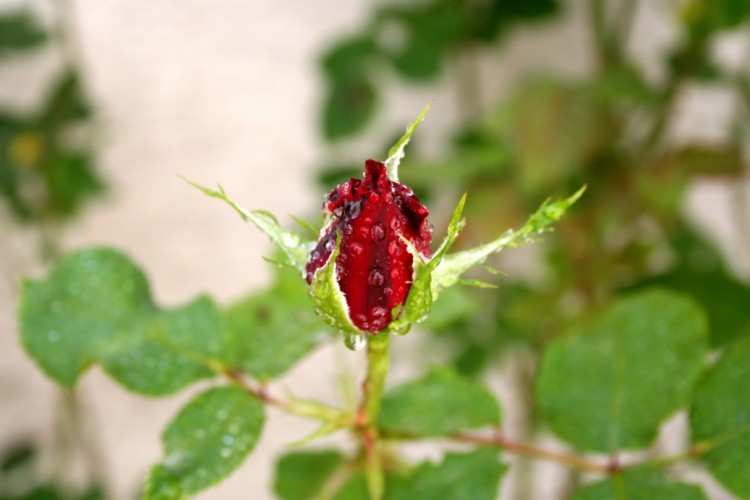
(19, 30)
(349, 57)
(718, 14)
(700, 273)
(349, 106)
(610, 385)
(429, 30)
(469, 476)
(639, 484)
(66, 102)
(396, 153)
(296, 249)
(95, 306)
(83, 304)
(720, 418)
(168, 350)
(355, 488)
(301, 475)
(71, 179)
(450, 269)
(440, 403)
(205, 442)
(274, 328)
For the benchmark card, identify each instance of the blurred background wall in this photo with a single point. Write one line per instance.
(229, 91)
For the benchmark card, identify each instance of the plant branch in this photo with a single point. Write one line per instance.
(529, 450)
(310, 409)
(372, 393)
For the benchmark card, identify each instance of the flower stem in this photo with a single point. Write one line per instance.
(377, 370)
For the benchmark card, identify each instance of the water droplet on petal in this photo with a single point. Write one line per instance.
(395, 249)
(373, 198)
(354, 210)
(379, 323)
(396, 223)
(396, 274)
(378, 312)
(330, 245)
(375, 278)
(357, 249)
(377, 232)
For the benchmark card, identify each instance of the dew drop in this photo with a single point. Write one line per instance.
(377, 232)
(330, 245)
(373, 198)
(228, 440)
(200, 434)
(53, 336)
(387, 197)
(388, 291)
(378, 312)
(375, 278)
(396, 274)
(357, 249)
(396, 223)
(379, 324)
(354, 210)
(360, 318)
(348, 229)
(355, 341)
(395, 249)
(226, 452)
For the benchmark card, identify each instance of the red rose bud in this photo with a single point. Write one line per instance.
(374, 268)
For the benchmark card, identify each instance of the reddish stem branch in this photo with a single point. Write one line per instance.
(259, 393)
(499, 441)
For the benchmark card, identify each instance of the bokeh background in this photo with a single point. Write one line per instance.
(235, 92)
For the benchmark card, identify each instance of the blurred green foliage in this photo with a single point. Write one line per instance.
(47, 166)
(608, 128)
(628, 315)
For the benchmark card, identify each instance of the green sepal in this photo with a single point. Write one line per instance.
(450, 269)
(296, 249)
(421, 296)
(396, 153)
(330, 303)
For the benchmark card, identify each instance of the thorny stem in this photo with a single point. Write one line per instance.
(302, 408)
(372, 393)
(377, 369)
